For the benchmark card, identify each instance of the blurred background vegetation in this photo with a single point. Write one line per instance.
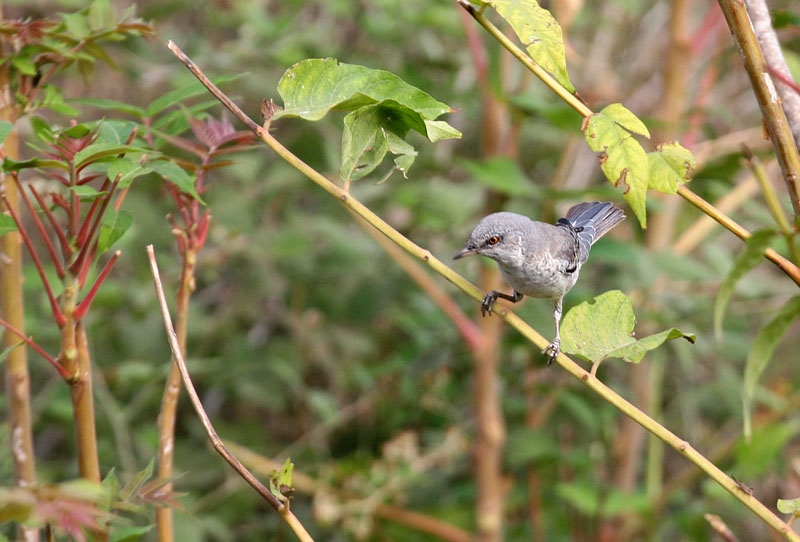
(306, 341)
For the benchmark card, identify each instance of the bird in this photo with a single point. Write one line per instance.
(538, 259)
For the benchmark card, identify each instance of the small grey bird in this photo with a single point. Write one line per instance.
(538, 259)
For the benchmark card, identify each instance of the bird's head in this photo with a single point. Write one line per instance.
(498, 236)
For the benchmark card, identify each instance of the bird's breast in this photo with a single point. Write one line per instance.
(539, 276)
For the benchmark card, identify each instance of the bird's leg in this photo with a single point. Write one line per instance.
(488, 300)
(554, 347)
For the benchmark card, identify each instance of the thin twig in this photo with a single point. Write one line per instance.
(216, 442)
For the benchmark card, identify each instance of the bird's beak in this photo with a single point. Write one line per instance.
(466, 251)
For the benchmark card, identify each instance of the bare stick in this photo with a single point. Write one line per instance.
(216, 442)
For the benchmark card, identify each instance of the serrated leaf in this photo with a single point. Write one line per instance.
(114, 226)
(625, 118)
(7, 224)
(788, 506)
(622, 159)
(540, 33)
(311, 88)
(177, 176)
(670, 166)
(5, 129)
(752, 254)
(603, 328)
(127, 169)
(761, 354)
(115, 132)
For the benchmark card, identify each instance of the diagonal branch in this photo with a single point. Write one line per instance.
(219, 446)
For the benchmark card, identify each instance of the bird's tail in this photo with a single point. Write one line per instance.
(591, 221)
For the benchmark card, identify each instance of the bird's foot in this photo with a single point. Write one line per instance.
(488, 303)
(552, 351)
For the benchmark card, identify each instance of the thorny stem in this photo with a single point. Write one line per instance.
(610, 396)
(219, 446)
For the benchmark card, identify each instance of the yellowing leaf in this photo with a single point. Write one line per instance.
(540, 33)
(622, 159)
(670, 166)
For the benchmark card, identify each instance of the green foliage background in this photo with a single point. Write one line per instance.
(306, 340)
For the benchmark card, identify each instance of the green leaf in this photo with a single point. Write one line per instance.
(102, 151)
(603, 329)
(15, 165)
(177, 176)
(754, 457)
(789, 506)
(311, 88)
(7, 224)
(625, 118)
(177, 96)
(539, 32)
(364, 144)
(280, 482)
(100, 15)
(114, 226)
(502, 175)
(7, 350)
(127, 169)
(670, 166)
(761, 353)
(622, 159)
(111, 105)
(17, 504)
(24, 64)
(115, 132)
(438, 130)
(86, 192)
(76, 25)
(129, 534)
(5, 129)
(752, 254)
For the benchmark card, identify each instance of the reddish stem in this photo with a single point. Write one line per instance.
(83, 306)
(30, 342)
(40, 226)
(87, 245)
(57, 314)
(66, 248)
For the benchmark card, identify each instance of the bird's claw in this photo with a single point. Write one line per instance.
(488, 303)
(552, 351)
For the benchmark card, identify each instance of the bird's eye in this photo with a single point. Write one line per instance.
(493, 240)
